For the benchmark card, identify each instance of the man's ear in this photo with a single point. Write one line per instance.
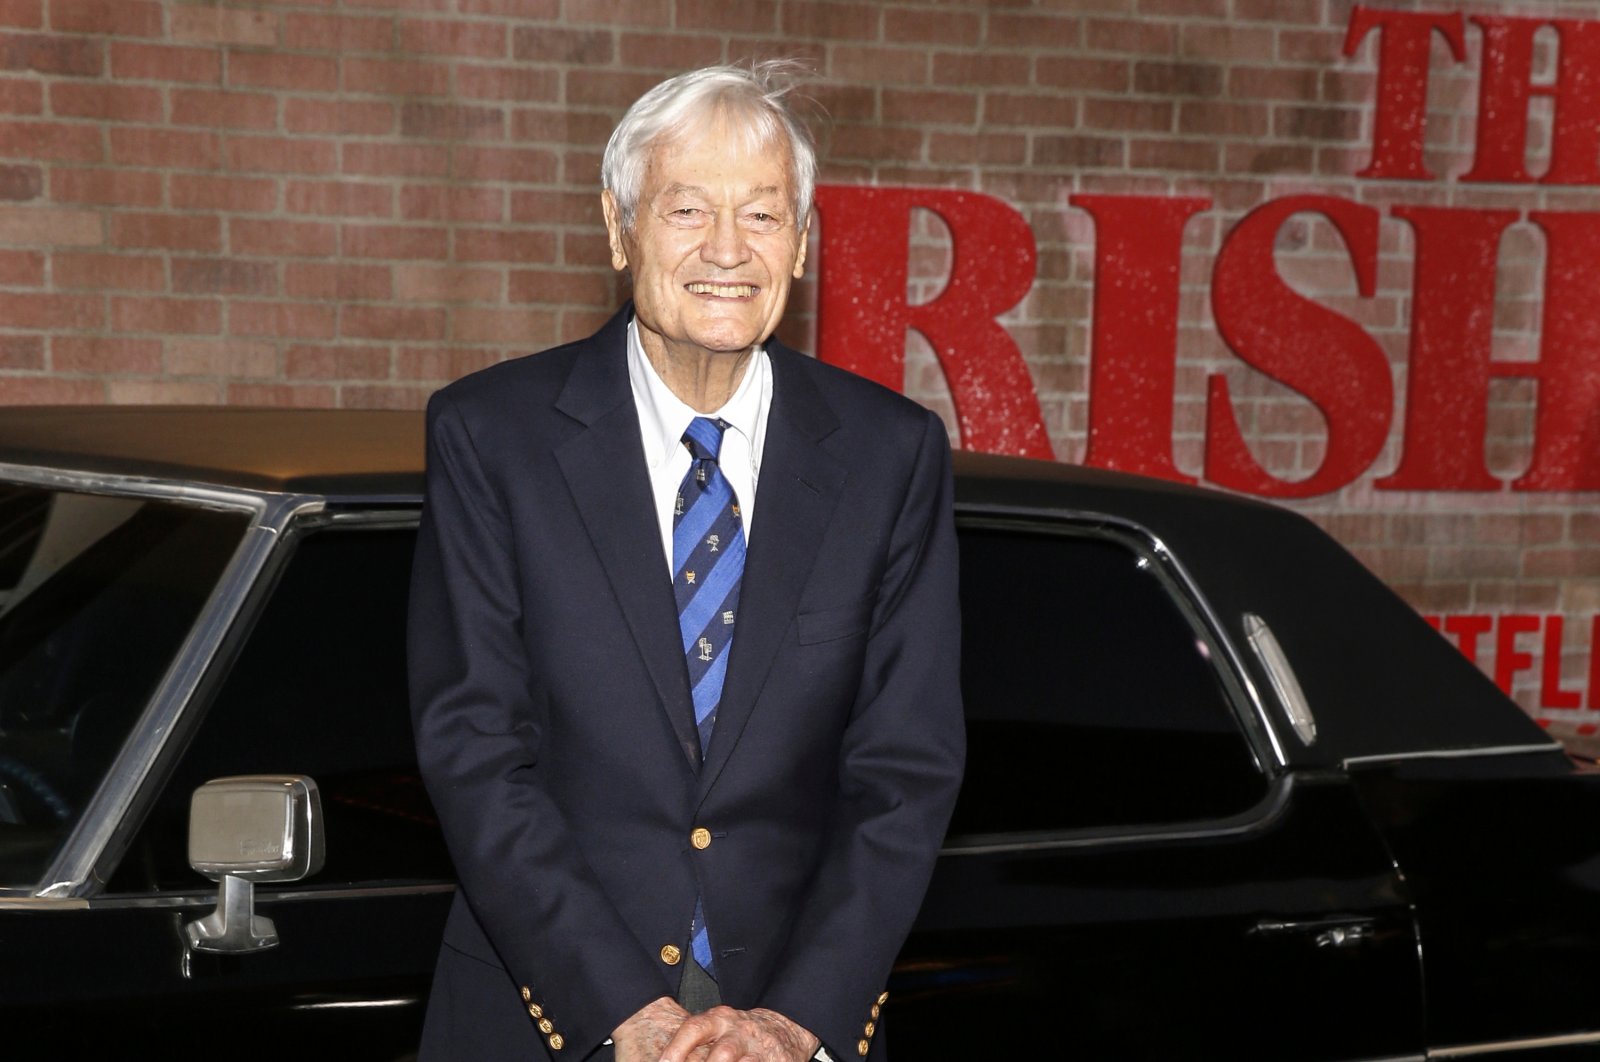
(619, 253)
(800, 259)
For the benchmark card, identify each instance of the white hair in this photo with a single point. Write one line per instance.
(755, 98)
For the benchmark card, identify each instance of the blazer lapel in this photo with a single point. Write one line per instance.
(605, 469)
(800, 484)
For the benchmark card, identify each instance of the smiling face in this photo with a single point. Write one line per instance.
(714, 242)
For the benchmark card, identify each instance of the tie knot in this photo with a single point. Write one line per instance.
(703, 437)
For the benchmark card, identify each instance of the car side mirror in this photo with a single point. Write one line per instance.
(248, 829)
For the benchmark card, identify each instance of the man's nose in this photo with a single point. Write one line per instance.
(725, 244)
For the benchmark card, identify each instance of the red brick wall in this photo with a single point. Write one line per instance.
(349, 202)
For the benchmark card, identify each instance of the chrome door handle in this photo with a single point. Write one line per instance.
(1324, 932)
(1344, 936)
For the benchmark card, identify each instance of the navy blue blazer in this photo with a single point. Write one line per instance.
(556, 732)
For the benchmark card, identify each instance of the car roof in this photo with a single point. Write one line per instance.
(1382, 682)
(314, 451)
(349, 453)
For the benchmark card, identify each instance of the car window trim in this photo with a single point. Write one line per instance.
(257, 594)
(1260, 815)
(71, 874)
(1463, 753)
(384, 518)
(1248, 706)
(10, 902)
(188, 898)
(1532, 1043)
(402, 514)
(273, 514)
(192, 899)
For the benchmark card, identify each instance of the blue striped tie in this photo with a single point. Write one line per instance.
(707, 564)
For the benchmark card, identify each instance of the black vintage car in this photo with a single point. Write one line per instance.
(1228, 797)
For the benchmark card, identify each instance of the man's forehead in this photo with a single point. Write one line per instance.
(755, 191)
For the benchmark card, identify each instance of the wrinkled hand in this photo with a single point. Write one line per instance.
(740, 1036)
(645, 1036)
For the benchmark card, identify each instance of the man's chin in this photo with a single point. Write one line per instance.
(727, 341)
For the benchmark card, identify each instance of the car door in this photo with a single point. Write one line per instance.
(1132, 873)
(1505, 876)
(314, 684)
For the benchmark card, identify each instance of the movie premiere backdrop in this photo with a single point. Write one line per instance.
(1343, 256)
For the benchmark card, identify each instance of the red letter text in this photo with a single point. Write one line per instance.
(863, 313)
(1402, 83)
(1138, 248)
(1320, 354)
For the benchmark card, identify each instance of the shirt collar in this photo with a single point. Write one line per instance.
(664, 417)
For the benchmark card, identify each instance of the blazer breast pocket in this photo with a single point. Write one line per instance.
(831, 624)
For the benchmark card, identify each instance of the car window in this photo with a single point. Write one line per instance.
(319, 688)
(96, 595)
(1092, 700)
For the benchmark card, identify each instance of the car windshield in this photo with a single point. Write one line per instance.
(97, 592)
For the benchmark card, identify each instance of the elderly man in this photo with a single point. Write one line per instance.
(693, 770)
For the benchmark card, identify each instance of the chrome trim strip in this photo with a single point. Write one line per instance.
(368, 501)
(198, 900)
(40, 903)
(71, 872)
(1450, 754)
(1269, 808)
(358, 891)
(375, 518)
(1219, 632)
(138, 486)
(1530, 1044)
(358, 1004)
(1180, 576)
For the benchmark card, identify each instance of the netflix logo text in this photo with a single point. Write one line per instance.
(1524, 654)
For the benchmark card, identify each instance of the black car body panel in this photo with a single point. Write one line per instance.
(1506, 888)
(1155, 949)
(1153, 858)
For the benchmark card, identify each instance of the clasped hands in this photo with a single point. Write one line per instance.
(663, 1031)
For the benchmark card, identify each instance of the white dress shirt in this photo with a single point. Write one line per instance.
(664, 417)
